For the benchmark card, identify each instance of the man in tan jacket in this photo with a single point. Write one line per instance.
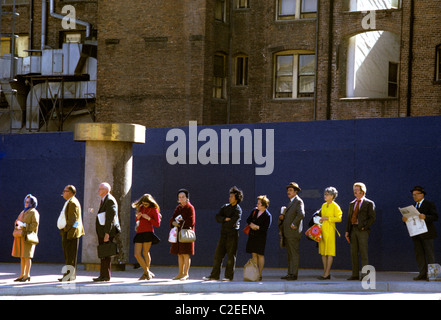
(72, 232)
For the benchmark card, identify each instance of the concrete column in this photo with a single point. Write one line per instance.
(108, 159)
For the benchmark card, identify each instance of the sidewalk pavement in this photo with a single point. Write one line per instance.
(44, 281)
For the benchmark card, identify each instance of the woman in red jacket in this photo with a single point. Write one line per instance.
(147, 217)
(184, 218)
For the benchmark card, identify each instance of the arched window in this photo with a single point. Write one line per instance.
(373, 65)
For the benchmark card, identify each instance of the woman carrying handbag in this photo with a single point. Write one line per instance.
(183, 217)
(25, 237)
(330, 215)
(259, 222)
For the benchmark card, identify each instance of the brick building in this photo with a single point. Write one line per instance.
(163, 63)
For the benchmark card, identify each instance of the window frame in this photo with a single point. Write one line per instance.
(241, 76)
(294, 74)
(393, 82)
(242, 4)
(298, 14)
(223, 6)
(220, 80)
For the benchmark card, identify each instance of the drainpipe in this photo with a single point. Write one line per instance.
(330, 42)
(410, 62)
(314, 116)
(59, 16)
(43, 23)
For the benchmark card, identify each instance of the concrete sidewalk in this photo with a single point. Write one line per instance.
(44, 281)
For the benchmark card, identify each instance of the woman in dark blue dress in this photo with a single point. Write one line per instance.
(259, 222)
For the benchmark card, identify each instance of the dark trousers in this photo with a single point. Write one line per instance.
(359, 245)
(424, 252)
(227, 245)
(106, 263)
(70, 250)
(292, 249)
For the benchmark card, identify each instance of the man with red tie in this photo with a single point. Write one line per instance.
(360, 219)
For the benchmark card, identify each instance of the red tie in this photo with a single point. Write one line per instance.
(354, 219)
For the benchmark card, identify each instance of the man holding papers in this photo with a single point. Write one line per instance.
(72, 230)
(107, 226)
(423, 243)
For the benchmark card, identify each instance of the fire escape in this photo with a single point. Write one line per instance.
(44, 90)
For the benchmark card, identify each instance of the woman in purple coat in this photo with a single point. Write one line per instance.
(188, 220)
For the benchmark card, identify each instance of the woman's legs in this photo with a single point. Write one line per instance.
(187, 263)
(327, 264)
(260, 262)
(142, 255)
(27, 267)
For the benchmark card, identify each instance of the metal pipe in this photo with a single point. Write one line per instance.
(59, 16)
(43, 23)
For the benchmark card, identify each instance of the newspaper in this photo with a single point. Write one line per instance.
(414, 224)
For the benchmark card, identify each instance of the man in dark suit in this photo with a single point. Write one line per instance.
(106, 231)
(72, 232)
(291, 226)
(360, 219)
(423, 243)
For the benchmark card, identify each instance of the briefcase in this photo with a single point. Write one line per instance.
(107, 249)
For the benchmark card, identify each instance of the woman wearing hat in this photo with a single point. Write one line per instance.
(27, 222)
(184, 218)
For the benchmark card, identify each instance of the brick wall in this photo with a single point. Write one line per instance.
(156, 60)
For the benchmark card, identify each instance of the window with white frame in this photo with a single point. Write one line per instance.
(294, 75)
(219, 76)
(296, 9)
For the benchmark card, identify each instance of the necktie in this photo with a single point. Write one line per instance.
(354, 218)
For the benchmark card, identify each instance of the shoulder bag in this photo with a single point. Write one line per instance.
(187, 235)
(32, 238)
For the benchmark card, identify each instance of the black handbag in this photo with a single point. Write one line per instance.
(107, 249)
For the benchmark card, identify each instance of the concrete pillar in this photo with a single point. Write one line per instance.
(108, 159)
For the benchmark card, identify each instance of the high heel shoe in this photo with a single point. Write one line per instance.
(18, 279)
(25, 279)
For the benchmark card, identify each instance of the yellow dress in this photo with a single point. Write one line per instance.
(327, 244)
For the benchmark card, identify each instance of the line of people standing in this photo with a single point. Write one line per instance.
(361, 216)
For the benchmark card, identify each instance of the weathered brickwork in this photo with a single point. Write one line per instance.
(156, 60)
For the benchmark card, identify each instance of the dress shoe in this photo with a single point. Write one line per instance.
(291, 278)
(18, 279)
(25, 279)
(353, 278)
(101, 279)
(324, 278)
(421, 278)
